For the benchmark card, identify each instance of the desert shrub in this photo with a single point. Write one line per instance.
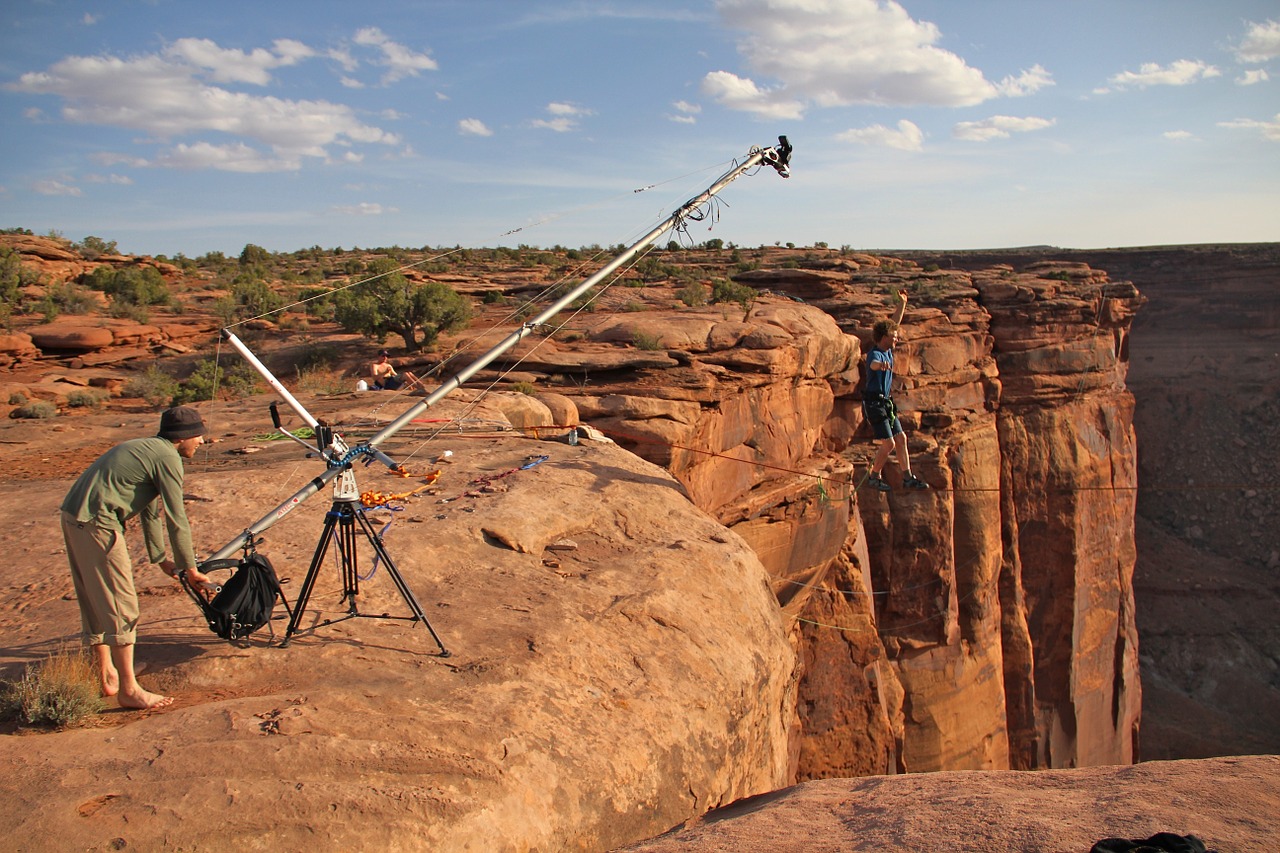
(253, 297)
(693, 294)
(321, 380)
(85, 399)
(14, 276)
(129, 311)
(645, 341)
(524, 388)
(135, 285)
(62, 690)
(17, 398)
(155, 386)
(725, 290)
(208, 380)
(226, 310)
(316, 302)
(71, 298)
(91, 248)
(317, 355)
(632, 306)
(35, 410)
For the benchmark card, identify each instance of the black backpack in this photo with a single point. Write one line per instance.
(246, 600)
(1161, 842)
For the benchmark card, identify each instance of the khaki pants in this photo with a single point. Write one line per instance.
(103, 578)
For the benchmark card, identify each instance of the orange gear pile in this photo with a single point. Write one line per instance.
(376, 498)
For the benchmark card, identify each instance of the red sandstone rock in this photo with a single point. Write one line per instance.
(71, 336)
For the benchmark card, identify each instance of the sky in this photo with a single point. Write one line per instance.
(172, 127)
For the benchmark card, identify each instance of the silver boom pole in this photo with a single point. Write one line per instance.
(778, 157)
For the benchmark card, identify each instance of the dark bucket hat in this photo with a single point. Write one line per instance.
(181, 422)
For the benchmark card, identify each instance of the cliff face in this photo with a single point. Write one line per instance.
(987, 623)
(1205, 374)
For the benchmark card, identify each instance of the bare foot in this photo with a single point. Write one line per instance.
(111, 679)
(144, 700)
(110, 682)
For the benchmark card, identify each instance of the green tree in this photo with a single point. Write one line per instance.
(91, 248)
(252, 255)
(13, 276)
(130, 285)
(253, 296)
(208, 380)
(388, 303)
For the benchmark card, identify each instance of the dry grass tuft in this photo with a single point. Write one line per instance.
(62, 690)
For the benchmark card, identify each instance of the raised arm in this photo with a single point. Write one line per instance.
(902, 309)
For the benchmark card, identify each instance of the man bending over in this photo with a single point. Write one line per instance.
(138, 477)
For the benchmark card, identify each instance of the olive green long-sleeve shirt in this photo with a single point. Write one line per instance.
(137, 477)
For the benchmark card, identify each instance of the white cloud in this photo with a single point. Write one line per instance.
(1178, 135)
(343, 57)
(235, 157)
(1270, 129)
(998, 127)
(738, 93)
(119, 180)
(473, 127)
(907, 137)
(842, 52)
(564, 117)
(90, 19)
(1261, 43)
(1179, 73)
(1252, 76)
(559, 108)
(236, 66)
(364, 208)
(54, 187)
(559, 125)
(110, 158)
(1028, 82)
(400, 61)
(166, 98)
(687, 113)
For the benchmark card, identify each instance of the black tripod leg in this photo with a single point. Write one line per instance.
(347, 545)
(304, 594)
(405, 592)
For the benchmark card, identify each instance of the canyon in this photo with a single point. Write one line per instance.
(994, 622)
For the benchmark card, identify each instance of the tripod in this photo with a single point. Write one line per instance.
(340, 523)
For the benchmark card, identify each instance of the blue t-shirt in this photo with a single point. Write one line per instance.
(879, 382)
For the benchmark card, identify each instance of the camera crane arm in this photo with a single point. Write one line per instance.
(339, 457)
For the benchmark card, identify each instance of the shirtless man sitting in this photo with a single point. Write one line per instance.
(385, 376)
